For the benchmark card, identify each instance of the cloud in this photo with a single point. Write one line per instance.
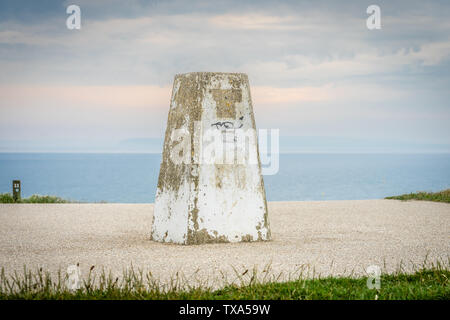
(314, 61)
(86, 96)
(254, 22)
(278, 48)
(82, 112)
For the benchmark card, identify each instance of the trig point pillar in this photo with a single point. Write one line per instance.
(210, 187)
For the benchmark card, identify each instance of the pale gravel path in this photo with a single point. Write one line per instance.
(331, 237)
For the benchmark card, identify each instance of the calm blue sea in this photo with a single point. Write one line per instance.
(132, 178)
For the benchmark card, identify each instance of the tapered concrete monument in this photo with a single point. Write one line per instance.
(210, 187)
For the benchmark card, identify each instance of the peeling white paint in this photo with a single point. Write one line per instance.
(215, 201)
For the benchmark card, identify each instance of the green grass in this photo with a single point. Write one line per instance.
(427, 283)
(441, 196)
(8, 198)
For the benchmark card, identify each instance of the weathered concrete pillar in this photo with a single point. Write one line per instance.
(210, 187)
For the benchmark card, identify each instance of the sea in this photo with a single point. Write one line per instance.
(132, 178)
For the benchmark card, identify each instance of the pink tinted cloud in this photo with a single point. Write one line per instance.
(85, 96)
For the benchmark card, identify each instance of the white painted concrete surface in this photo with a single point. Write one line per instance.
(210, 186)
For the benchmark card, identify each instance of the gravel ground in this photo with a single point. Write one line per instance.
(313, 238)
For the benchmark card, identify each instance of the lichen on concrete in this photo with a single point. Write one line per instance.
(199, 203)
(226, 100)
(203, 236)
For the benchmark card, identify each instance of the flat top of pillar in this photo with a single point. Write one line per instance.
(211, 74)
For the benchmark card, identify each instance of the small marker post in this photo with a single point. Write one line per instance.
(16, 190)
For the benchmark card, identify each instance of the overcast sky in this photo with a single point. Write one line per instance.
(316, 71)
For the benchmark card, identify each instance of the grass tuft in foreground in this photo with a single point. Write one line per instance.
(441, 196)
(8, 198)
(427, 283)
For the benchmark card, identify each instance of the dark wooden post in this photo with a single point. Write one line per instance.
(16, 190)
